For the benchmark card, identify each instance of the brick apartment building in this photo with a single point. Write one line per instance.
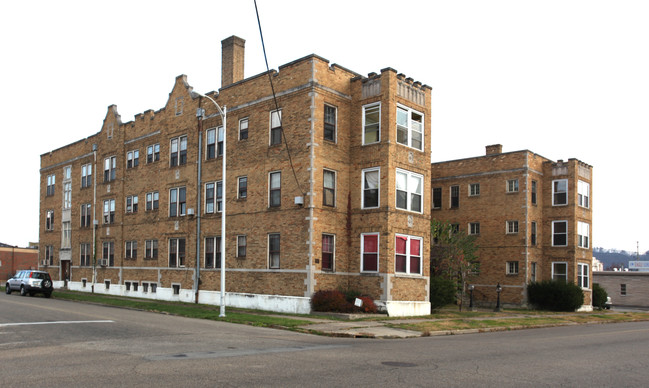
(532, 217)
(328, 189)
(13, 259)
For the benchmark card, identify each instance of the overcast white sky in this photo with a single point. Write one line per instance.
(565, 79)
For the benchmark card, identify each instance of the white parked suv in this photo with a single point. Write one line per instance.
(30, 282)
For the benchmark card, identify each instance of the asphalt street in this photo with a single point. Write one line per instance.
(56, 343)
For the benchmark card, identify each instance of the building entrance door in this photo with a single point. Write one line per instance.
(65, 272)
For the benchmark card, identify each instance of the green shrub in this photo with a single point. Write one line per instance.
(555, 295)
(443, 291)
(599, 296)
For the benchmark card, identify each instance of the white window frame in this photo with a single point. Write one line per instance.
(271, 189)
(278, 112)
(554, 233)
(151, 249)
(272, 265)
(408, 254)
(109, 211)
(378, 249)
(131, 204)
(410, 177)
(365, 108)
(239, 179)
(216, 246)
(154, 151)
(180, 210)
(67, 195)
(132, 158)
(474, 189)
(86, 175)
(216, 204)
(512, 186)
(583, 194)
(335, 123)
(453, 196)
(66, 234)
(556, 192)
(554, 272)
(583, 234)
(378, 187)
(474, 228)
(333, 252)
(511, 268)
(110, 168)
(51, 184)
(177, 253)
(242, 238)
(210, 139)
(245, 120)
(511, 227)
(154, 201)
(130, 249)
(583, 275)
(410, 126)
(180, 142)
(325, 188)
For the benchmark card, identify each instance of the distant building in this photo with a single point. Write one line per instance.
(532, 218)
(597, 265)
(13, 259)
(626, 288)
(344, 205)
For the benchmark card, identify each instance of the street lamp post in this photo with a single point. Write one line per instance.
(498, 290)
(223, 113)
(471, 287)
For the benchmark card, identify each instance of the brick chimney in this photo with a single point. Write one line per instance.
(232, 54)
(494, 149)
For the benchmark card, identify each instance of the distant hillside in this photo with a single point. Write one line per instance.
(615, 258)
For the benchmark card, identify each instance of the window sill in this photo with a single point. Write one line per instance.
(408, 275)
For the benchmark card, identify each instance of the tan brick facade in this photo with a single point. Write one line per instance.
(307, 90)
(507, 195)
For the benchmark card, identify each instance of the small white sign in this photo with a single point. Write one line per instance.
(358, 302)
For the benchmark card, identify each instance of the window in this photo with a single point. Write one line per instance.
(153, 153)
(275, 127)
(533, 272)
(474, 228)
(242, 245)
(437, 198)
(67, 173)
(455, 197)
(560, 271)
(372, 123)
(178, 155)
(85, 215)
(177, 202)
(559, 233)
(49, 255)
(512, 185)
(371, 185)
(109, 211)
(369, 252)
(211, 143)
(49, 220)
(275, 189)
(583, 194)
(152, 200)
(65, 235)
(131, 250)
(145, 287)
(409, 191)
(151, 249)
(273, 250)
(560, 192)
(408, 254)
(243, 129)
(154, 287)
(512, 227)
(85, 255)
(213, 255)
(533, 191)
(176, 252)
(176, 289)
(242, 187)
(51, 182)
(67, 195)
(213, 198)
(410, 128)
(583, 233)
(533, 233)
(86, 175)
(329, 188)
(132, 158)
(328, 251)
(329, 123)
(474, 189)
(583, 280)
(110, 167)
(108, 253)
(511, 268)
(131, 204)
(623, 289)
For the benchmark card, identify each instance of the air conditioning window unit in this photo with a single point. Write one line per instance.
(103, 262)
(190, 211)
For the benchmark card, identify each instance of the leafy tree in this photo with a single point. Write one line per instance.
(453, 255)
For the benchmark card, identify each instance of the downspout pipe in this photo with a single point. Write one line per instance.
(199, 188)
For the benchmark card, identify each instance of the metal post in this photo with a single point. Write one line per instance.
(498, 290)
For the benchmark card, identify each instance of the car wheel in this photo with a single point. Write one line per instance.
(7, 289)
(23, 292)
